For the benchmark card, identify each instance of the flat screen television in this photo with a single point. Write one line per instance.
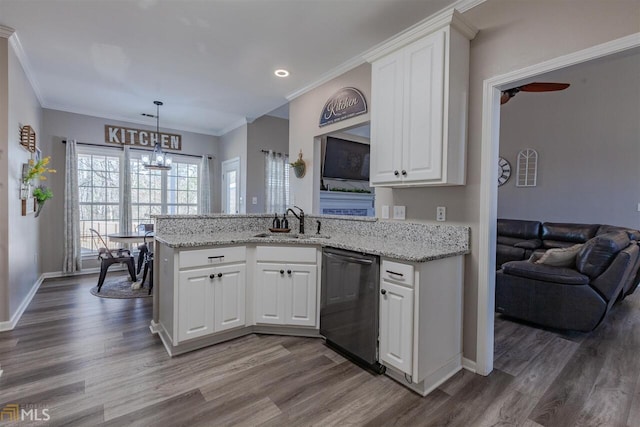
(346, 160)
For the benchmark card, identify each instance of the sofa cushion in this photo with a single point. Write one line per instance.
(529, 244)
(567, 232)
(633, 234)
(546, 273)
(560, 257)
(521, 229)
(551, 244)
(596, 255)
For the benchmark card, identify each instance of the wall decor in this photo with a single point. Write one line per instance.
(348, 102)
(28, 206)
(28, 138)
(504, 171)
(299, 166)
(140, 137)
(527, 168)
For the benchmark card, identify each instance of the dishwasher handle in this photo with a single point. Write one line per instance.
(350, 259)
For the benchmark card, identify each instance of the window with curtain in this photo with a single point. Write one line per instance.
(152, 192)
(276, 180)
(99, 194)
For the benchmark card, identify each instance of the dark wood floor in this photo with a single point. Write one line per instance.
(93, 361)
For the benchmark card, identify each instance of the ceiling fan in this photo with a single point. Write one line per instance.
(532, 87)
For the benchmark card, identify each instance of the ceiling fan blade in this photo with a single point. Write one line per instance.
(543, 87)
(505, 97)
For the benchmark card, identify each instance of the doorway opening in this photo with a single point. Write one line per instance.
(231, 186)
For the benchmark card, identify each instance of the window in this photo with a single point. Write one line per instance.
(152, 192)
(99, 191)
(276, 180)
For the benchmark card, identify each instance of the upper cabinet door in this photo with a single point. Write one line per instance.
(423, 109)
(386, 122)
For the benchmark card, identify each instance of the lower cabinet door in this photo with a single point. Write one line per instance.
(269, 287)
(195, 301)
(396, 326)
(229, 287)
(301, 295)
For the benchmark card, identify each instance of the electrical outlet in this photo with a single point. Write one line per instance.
(638, 207)
(441, 213)
(399, 212)
(385, 211)
(254, 200)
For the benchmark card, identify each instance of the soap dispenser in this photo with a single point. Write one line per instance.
(276, 222)
(285, 222)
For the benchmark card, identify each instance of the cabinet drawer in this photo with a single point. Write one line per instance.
(286, 254)
(212, 256)
(397, 272)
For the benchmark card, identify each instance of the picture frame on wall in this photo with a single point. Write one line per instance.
(37, 155)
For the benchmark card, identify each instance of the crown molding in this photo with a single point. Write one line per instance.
(235, 125)
(126, 119)
(24, 61)
(465, 28)
(6, 32)
(449, 17)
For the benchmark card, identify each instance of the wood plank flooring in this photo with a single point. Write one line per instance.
(93, 361)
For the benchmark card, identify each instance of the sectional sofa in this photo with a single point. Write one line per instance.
(576, 295)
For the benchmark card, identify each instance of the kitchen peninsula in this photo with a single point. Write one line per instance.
(219, 277)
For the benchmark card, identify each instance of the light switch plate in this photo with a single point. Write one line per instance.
(399, 212)
(385, 211)
(638, 207)
(254, 200)
(441, 213)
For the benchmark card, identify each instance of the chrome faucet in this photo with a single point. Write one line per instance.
(300, 218)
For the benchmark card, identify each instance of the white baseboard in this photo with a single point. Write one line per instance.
(469, 365)
(10, 324)
(96, 270)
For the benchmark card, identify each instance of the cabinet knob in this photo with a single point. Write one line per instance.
(396, 173)
(383, 291)
(281, 271)
(219, 274)
(288, 271)
(211, 276)
(404, 173)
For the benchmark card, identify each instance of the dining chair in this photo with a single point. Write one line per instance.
(148, 261)
(108, 257)
(143, 248)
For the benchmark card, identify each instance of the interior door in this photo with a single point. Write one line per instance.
(231, 186)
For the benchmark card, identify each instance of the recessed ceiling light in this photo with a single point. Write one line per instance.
(281, 73)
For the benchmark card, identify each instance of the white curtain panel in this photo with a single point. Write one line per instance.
(72, 256)
(204, 198)
(276, 181)
(125, 193)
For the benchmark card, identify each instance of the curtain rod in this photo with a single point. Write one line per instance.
(64, 141)
(266, 151)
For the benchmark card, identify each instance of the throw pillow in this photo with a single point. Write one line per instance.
(560, 257)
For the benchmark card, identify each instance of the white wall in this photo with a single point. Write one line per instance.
(513, 35)
(265, 133)
(57, 126)
(588, 142)
(4, 179)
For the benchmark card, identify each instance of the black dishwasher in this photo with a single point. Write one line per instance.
(349, 305)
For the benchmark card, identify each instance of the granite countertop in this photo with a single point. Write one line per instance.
(405, 250)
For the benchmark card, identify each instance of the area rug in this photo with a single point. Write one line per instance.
(120, 287)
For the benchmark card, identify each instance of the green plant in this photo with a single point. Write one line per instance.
(42, 193)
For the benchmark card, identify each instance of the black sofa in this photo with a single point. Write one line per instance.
(576, 297)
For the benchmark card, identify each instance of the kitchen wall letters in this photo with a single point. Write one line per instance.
(348, 102)
(140, 137)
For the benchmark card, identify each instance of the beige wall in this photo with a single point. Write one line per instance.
(4, 179)
(265, 133)
(587, 139)
(513, 35)
(58, 125)
(304, 115)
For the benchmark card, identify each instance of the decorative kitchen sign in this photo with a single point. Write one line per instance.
(140, 137)
(348, 102)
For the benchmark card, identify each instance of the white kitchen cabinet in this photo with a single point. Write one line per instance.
(396, 326)
(419, 108)
(286, 292)
(229, 287)
(421, 321)
(195, 304)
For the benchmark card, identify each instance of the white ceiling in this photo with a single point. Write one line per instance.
(210, 62)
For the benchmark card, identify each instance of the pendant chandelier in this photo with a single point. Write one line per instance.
(159, 159)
